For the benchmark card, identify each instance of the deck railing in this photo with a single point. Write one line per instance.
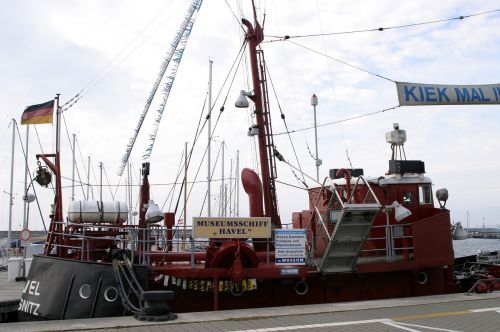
(92, 242)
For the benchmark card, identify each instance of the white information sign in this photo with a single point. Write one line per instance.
(290, 246)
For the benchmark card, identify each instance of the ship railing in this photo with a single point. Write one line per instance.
(391, 251)
(369, 192)
(153, 242)
(146, 244)
(316, 217)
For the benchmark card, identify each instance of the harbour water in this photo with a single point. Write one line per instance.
(473, 246)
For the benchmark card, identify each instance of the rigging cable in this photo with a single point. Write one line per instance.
(221, 110)
(235, 17)
(211, 179)
(107, 180)
(344, 62)
(84, 168)
(286, 127)
(333, 87)
(380, 29)
(31, 178)
(246, 83)
(114, 63)
(338, 121)
(72, 151)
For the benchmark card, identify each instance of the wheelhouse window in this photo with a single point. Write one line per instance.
(425, 194)
(408, 198)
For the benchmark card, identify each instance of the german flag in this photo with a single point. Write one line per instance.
(37, 114)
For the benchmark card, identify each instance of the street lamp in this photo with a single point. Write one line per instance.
(314, 103)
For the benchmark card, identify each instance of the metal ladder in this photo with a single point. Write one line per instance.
(353, 223)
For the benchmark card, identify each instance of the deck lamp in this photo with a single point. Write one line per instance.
(400, 212)
(242, 101)
(153, 213)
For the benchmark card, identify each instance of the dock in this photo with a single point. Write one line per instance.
(10, 293)
(451, 312)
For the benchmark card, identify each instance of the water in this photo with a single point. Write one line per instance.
(472, 246)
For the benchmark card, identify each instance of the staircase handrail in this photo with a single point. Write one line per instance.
(361, 177)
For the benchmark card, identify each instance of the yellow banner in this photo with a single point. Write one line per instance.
(229, 228)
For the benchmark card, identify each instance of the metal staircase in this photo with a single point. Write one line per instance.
(353, 222)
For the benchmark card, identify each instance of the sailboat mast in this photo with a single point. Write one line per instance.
(73, 172)
(88, 178)
(26, 171)
(209, 148)
(11, 200)
(223, 191)
(237, 184)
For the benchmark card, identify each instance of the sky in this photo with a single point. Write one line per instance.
(113, 51)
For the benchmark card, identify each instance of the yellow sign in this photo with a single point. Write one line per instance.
(256, 227)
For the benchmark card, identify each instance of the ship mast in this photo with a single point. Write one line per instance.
(254, 37)
(55, 235)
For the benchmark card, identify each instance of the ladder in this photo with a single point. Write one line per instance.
(353, 223)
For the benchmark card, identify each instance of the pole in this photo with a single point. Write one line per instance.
(88, 178)
(237, 184)
(223, 191)
(59, 211)
(26, 171)
(209, 128)
(230, 200)
(100, 182)
(129, 194)
(185, 196)
(11, 200)
(314, 103)
(73, 172)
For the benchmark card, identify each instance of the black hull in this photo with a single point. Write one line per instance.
(66, 289)
(54, 290)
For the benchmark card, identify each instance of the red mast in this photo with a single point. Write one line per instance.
(254, 37)
(55, 235)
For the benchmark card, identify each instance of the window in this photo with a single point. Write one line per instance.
(408, 198)
(424, 194)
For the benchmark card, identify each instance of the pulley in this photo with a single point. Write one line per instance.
(43, 176)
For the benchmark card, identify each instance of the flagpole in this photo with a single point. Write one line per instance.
(58, 227)
(11, 200)
(26, 171)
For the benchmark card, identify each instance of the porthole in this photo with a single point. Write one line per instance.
(301, 288)
(422, 278)
(85, 291)
(111, 294)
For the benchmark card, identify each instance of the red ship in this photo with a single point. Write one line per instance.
(361, 238)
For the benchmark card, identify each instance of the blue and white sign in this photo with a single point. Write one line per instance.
(290, 246)
(416, 94)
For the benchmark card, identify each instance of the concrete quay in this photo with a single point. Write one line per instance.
(10, 293)
(452, 313)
